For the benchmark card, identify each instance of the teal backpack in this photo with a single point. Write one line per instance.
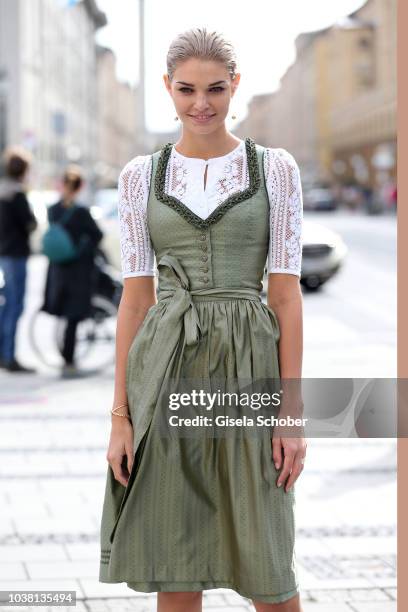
(57, 243)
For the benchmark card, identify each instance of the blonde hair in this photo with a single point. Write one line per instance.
(199, 43)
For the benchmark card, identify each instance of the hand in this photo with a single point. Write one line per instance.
(294, 450)
(121, 445)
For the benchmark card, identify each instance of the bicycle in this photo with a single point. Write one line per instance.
(95, 337)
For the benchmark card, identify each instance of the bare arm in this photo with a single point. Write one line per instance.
(285, 299)
(284, 187)
(137, 297)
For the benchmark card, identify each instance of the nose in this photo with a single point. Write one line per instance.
(201, 104)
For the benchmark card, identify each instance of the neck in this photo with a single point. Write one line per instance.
(205, 146)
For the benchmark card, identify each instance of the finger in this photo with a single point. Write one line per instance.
(296, 470)
(287, 466)
(118, 471)
(277, 452)
(130, 458)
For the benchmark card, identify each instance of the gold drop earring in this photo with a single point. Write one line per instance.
(176, 118)
(233, 116)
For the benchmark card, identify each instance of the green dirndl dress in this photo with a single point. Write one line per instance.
(205, 513)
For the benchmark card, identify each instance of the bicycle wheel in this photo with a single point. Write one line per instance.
(95, 336)
(41, 332)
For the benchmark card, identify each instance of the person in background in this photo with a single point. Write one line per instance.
(17, 221)
(69, 285)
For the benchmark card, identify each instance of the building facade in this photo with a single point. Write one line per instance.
(48, 83)
(335, 108)
(118, 125)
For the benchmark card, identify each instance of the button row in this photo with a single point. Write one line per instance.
(202, 238)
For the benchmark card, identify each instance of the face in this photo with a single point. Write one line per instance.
(201, 91)
(26, 176)
(68, 193)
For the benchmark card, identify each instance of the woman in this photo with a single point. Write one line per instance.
(69, 286)
(184, 515)
(17, 221)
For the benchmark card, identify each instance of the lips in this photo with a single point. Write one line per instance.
(202, 118)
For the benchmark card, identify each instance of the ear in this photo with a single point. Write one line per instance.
(235, 82)
(166, 81)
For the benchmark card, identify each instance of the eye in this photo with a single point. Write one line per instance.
(216, 89)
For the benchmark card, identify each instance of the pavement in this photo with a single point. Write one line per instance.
(52, 472)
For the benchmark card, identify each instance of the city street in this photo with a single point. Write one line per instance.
(55, 435)
(350, 326)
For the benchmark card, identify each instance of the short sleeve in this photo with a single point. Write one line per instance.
(137, 254)
(283, 182)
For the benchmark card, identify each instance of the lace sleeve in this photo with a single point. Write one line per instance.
(136, 249)
(284, 188)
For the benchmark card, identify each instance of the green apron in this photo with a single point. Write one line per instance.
(205, 513)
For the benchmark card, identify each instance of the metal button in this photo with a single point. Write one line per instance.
(203, 237)
(205, 269)
(204, 247)
(205, 279)
(204, 257)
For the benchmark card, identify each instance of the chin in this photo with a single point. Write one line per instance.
(210, 127)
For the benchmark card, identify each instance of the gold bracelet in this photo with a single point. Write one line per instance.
(113, 411)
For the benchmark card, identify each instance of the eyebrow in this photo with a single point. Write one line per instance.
(210, 85)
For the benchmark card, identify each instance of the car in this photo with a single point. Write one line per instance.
(319, 198)
(323, 254)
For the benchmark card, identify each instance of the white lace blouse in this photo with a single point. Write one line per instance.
(225, 175)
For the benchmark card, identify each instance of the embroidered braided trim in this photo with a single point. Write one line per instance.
(218, 213)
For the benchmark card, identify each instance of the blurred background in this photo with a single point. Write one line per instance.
(81, 82)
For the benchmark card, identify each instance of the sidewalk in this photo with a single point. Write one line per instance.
(52, 470)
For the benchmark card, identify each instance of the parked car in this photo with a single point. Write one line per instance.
(319, 198)
(323, 254)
